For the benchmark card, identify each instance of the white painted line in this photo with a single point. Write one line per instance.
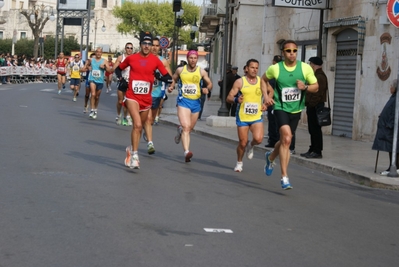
(213, 230)
(47, 90)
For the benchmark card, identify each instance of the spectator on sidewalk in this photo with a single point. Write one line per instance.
(314, 102)
(230, 79)
(385, 128)
(203, 95)
(273, 133)
(233, 109)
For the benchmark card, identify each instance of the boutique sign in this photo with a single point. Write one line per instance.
(312, 4)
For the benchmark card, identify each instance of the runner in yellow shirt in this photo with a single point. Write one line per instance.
(75, 67)
(247, 94)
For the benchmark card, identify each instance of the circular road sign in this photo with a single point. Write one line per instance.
(393, 12)
(163, 42)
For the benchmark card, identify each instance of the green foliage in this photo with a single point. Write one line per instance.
(5, 45)
(157, 18)
(25, 46)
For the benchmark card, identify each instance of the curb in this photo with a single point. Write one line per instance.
(333, 170)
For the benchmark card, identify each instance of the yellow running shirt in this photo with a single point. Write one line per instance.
(191, 83)
(251, 107)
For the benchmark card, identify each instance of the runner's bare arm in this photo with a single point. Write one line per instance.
(167, 66)
(267, 90)
(175, 77)
(231, 98)
(208, 81)
(117, 62)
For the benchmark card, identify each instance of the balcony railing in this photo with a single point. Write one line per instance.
(209, 10)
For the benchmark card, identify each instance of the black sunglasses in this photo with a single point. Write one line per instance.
(147, 43)
(128, 47)
(288, 50)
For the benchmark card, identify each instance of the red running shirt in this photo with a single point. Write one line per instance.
(61, 66)
(141, 77)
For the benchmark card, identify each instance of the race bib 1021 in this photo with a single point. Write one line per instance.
(290, 94)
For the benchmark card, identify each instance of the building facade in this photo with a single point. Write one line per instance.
(358, 44)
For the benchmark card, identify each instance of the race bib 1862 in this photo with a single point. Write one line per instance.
(189, 89)
(141, 87)
(290, 94)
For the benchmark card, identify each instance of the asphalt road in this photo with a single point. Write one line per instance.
(66, 198)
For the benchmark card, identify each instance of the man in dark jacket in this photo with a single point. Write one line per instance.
(230, 79)
(313, 102)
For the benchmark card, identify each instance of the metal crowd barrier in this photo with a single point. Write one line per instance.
(22, 74)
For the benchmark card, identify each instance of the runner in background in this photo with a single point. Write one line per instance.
(158, 92)
(123, 83)
(61, 66)
(76, 65)
(108, 75)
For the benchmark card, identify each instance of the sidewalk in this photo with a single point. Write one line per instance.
(343, 157)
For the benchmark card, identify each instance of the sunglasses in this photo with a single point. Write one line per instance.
(147, 43)
(289, 50)
(129, 47)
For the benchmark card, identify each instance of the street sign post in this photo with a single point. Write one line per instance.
(163, 42)
(393, 16)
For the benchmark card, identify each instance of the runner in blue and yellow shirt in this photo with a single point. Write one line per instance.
(188, 101)
(293, 79)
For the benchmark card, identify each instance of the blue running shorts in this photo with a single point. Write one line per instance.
(193, 105)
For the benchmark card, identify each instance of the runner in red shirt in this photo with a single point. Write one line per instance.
(61, 66)
(138, 95)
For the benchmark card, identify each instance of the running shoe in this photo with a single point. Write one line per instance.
(156, 120)
(129, 121)
(63, 86)
(150, 148)
(59, 92)
(128, 156)
(118, 120)
(178, 136)
(91, 114)
(124, 122)
(95, 115)
(74, 99)
(238, 167)
(250, 150)
(135, 162)
(269, 164)
(188, 156)
(285, 183)
(85, 110)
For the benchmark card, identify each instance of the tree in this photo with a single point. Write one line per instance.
(24, 46)
(36, 25)
(157, 18)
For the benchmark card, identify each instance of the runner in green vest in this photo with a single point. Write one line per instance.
(293, 79)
